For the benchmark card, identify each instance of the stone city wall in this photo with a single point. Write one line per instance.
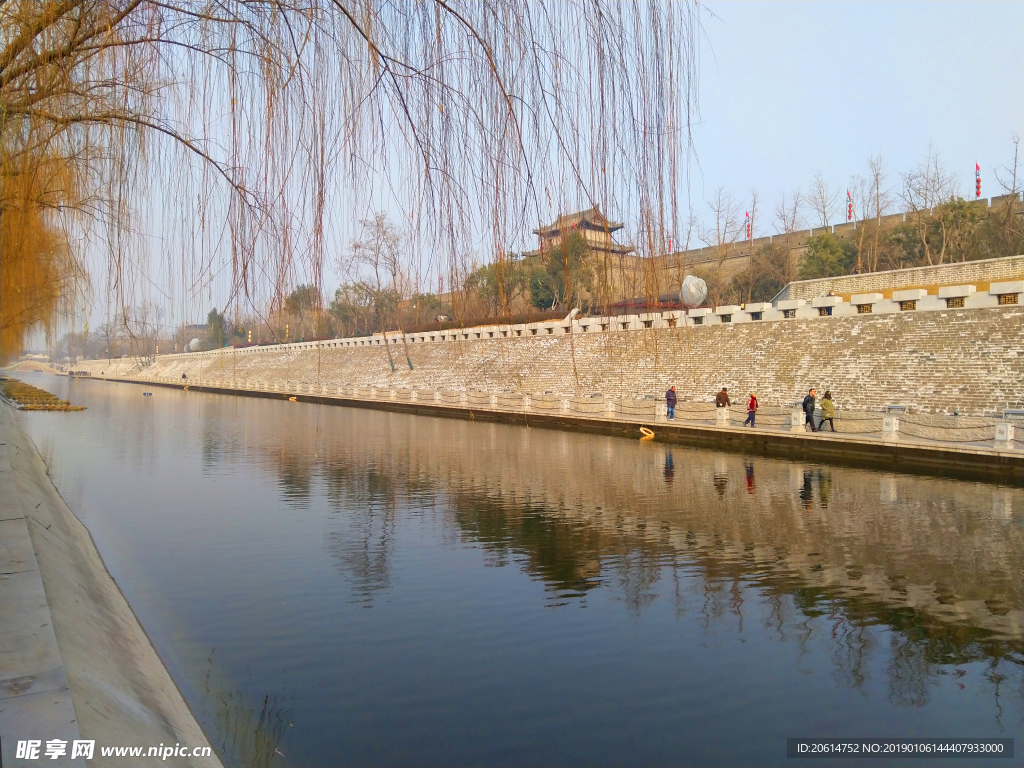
(979, 273)
(936, 362)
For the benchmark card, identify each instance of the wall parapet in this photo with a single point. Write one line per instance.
(983, 271)
(1006, 292)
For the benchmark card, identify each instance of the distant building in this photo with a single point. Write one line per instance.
(595, 227)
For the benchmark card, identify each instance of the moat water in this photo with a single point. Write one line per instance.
(333, 586)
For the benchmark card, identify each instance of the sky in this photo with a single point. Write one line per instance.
(790, 89)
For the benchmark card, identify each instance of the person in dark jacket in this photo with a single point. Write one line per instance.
(670, 402)
(809, 408)
(751, 410)
(722, 399)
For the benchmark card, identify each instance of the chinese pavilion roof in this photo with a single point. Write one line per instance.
(591, 218)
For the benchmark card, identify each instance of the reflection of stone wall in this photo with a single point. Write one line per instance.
(949, 552)
(967, 359)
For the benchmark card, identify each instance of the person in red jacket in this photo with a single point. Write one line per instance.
(751, 410)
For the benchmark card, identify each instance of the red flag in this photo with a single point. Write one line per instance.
(977, 180)
(849, 206)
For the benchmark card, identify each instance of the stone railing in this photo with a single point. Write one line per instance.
(1004, 433)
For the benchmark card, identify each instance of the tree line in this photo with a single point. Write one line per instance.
(939, 226)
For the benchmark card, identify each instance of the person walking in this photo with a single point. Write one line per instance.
(751, 410)
(809, 408)
(670, 402)
(828, 411)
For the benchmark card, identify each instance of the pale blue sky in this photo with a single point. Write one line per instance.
(788, 89)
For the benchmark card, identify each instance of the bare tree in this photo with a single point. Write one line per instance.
(725, 229)
(878, 179)
(926, 186)
(822, 198)
(375, 263)
(789, 213)
(872, 199)
(1007, 210)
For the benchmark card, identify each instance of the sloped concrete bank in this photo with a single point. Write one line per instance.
(74, 661)
(967, 462)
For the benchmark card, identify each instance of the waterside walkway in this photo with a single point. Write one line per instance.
(861, 440)
(75, 664)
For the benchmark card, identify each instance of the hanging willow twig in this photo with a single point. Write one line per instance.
(192, 146)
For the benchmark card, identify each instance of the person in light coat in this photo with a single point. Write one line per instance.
(828, 411)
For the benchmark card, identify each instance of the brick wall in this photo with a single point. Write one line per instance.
(935, 362)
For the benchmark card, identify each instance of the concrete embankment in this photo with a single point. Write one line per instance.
(74, 661)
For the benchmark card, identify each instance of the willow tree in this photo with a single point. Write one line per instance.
(185, 146)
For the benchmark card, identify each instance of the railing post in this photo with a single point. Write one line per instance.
(526, 403)
(494, 401)
(722, 416)
(891, 421)
(392, 394)
(609, 409)
(565, 405)
(1004, 435)
(660, 413)
(796, 419)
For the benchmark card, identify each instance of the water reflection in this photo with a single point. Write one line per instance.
(925, 558)
(249, 731)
